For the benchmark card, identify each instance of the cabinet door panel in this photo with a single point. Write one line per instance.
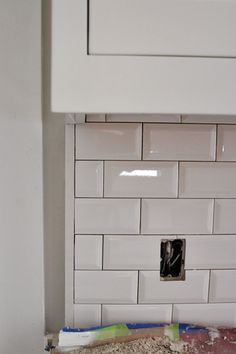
(163, 27)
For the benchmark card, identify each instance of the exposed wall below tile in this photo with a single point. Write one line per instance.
(137, 183)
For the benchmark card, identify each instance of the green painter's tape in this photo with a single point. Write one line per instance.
(118, 330)
(172, 331)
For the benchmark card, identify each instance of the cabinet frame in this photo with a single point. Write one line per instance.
(83, 83)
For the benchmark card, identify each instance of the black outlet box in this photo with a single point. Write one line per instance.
(172, 259)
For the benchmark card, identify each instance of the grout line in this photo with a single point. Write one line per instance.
(101, 314)
(163, 122)
(74, 238)
(149, 269)
(161, 234)
(178, 179)
(74, 177)
(157, 160)
(172, 310)
(102, 252)
(154, 303)
(88, 24)
(142, 142)
(157, 198)
(216, 142)
(209, 286)
(213, 216)
(123, 54)
(75, 161)
(103, 178)
(140, 217)
(138, 280)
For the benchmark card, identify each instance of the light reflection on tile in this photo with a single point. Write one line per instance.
(141, 179)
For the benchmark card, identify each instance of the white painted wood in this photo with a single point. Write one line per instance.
(132, 84)
(163, 27)
(71, 118)
(69, 225)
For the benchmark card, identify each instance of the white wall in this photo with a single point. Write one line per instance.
(21, 219)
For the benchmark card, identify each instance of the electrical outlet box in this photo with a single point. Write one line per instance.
(172, 259)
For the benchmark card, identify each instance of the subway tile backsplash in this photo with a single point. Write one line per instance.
(102, 141)
(193, 289)
(179, 142)
(177, 216)
(136, 313)
(140, 179)
(207, 180)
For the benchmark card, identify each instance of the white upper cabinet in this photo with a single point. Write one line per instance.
(163, 27)
(144, 56)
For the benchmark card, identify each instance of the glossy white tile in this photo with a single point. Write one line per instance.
(136, 314)
(210, 252)
(108, 141)
(208, 118)
(223, 286)
(132, 252)
(224, 219)
(106, 287)
(87, 315)
(179, 142)
(177, 216)
(206, 314)
(107, 216)
(89, 178)
(193, 289)
(143, 118)
(88, 252)
(95, 117)
(140, 179)
(207, 180)
(226, 143)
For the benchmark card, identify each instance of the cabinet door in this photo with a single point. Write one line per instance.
(163, 27)
(144, 56)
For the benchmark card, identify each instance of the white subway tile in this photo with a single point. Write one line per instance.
(87, 315)
(107, 216)
(179, 142)
(226, 143)
(223, 286)
(89, 178)
(210, 252)
(111, 141)
(132, 252)
(136, 314)
(193, 289)
(207, 179)
(224, 219)
(206, 314)
(88, 252)
(141, 179)
(106, 287)
(143, 118)
(177, 216)
(95, 118)
(208, 118)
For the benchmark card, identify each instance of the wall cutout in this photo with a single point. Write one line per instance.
(172, 259)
